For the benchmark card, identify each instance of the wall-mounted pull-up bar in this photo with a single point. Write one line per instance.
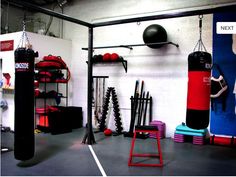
(130, 46)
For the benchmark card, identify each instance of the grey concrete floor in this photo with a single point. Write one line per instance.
(65, 155)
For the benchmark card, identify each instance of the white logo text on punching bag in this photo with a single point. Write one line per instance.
(22, 67)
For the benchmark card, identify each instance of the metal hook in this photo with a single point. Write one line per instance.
(24, 40)
(200, 46)
(200, 21)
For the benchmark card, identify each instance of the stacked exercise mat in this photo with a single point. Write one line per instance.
(161, 127)
(185, 134)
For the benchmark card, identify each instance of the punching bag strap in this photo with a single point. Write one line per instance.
(217, 67)
(200, 46)
(219, 88)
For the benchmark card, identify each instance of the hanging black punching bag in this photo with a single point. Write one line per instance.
(24, 104)
(198, 97)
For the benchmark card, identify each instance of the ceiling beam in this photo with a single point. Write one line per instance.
(209, 10)
(48, 12)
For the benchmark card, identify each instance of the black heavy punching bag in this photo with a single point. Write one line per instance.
(24, 104)
(199, 86)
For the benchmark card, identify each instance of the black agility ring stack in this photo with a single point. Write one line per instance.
(116, 111)
(111, 92)
(105, 108)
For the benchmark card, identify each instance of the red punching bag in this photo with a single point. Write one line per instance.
(199, 86)
(198, 97)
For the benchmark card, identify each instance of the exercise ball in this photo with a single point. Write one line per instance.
(99, 57)
(114, 57)
(154, 34)
(95, 58)
(106, 57)
(107, 132)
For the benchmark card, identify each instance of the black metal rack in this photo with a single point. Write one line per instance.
(124, 63)
(148, 101)
(89, 136)
(45, 98)
(129, 46)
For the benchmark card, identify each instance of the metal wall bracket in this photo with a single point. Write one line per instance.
(124, 63)
(130, 46)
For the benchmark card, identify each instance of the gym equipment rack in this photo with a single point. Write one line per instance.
(89, 136)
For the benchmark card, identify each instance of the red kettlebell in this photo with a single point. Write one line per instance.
(114, 56)
(106, 57)
(107, 132)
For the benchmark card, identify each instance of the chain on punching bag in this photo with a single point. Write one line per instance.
(24, 144)
(199, 74)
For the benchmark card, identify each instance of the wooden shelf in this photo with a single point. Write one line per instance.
(8, 90)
